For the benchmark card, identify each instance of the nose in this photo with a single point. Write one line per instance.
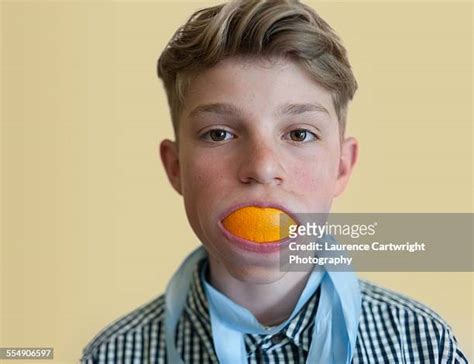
(261, 164)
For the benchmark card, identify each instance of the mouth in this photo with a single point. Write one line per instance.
(257, 228)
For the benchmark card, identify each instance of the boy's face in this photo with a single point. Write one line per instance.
(258, 133)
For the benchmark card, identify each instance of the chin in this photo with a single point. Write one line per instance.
(256, 274)
(245, 266)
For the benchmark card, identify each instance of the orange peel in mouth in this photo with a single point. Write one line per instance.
(258, 224)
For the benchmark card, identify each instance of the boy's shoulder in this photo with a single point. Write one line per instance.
(384, 306)
(143, 323)
(395, 327)
(375, 296)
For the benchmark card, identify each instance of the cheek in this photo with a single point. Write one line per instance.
(201, 176)
(318, 177)
(305, 179)
(204, 189)
(198, 184)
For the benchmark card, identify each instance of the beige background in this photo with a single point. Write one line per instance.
(90, 227)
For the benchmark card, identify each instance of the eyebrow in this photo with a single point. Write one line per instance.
(232, 110)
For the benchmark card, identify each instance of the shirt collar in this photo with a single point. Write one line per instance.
(298, 330)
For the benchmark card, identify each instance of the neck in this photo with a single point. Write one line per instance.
(271, 303)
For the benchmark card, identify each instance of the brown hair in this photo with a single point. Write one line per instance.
(257, 28)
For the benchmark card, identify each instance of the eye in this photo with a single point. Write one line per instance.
(302, 135)
(217, 135)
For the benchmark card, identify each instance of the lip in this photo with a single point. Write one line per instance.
(269, 247)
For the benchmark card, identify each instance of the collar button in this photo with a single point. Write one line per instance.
(277, 338)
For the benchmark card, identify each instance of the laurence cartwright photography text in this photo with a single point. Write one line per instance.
(318, 258)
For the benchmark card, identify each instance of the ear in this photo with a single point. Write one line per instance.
(347, 161)
(170, 159)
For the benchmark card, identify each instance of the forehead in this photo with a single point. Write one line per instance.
(256, 86)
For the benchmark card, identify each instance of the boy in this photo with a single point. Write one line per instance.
(258, 94)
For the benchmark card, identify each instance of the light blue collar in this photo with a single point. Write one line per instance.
(336, 321)
(239, 318)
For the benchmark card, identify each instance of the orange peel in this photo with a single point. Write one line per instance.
(258, 224)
